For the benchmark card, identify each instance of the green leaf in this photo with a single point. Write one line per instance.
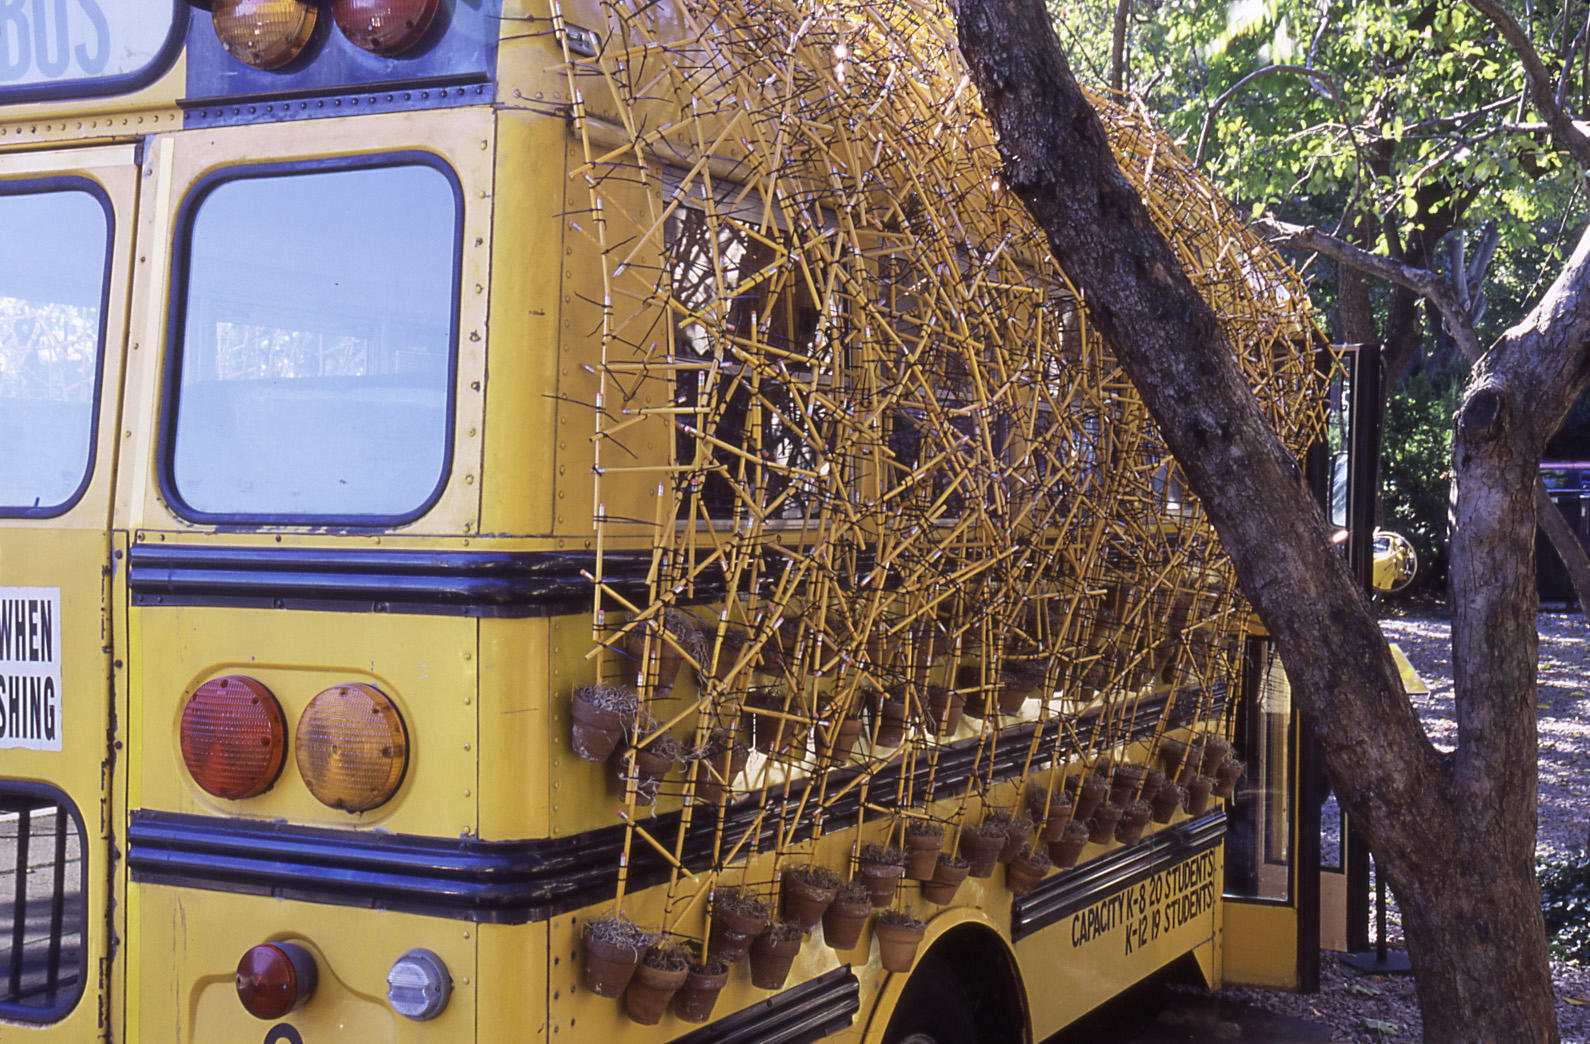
(1380, 1026)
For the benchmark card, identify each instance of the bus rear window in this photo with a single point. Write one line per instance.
(52, 293)
(315, 345)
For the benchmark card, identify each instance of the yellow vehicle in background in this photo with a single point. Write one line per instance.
(390, 388)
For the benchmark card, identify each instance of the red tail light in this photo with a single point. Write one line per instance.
(234, 737)
(275, 978)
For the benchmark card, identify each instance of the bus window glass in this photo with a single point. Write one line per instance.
(316, 345)
(52, 289)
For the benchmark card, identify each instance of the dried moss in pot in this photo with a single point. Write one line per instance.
(737, 918)
(899, 934)
(660, 974)
(1023, 873)
(807, 892)
(613, 948)
(947, 877)
(923, 839)
(599, 715)
(880, 869)
(845, 916)
(699, 993)
(772, 954)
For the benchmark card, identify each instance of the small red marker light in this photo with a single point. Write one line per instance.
(275, 978)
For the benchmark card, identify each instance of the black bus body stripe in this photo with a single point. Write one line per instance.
(1063, 894)
(808, 1012)
(514, 882)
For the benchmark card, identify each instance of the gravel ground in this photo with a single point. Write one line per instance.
(1364, 1008)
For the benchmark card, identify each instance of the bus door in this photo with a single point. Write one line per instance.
(67, 223)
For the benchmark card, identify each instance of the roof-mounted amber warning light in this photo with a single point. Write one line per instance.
(384, 27)
(266, 34)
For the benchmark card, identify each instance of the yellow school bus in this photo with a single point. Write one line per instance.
(506, 505)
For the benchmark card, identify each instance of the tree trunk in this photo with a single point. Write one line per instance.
(1476, 938)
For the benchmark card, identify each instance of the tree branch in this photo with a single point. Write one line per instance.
(1123, 8)
(1569, 137)
(1433, 286)
(1439, 291)
(1230, 92)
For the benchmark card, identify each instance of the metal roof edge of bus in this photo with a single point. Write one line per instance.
(515, 882)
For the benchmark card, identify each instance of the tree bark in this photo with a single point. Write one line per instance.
(1476, 939)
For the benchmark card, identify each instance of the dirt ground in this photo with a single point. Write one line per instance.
(1382, 1008)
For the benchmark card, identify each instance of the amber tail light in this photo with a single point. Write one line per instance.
(233, 737)
(352, 747)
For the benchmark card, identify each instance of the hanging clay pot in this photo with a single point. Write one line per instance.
(1017, 683)
(1090, 793)
(598, 717)
(772, 953)
(613, 948)
(807, 892)
(775, 721)
(737, 918)
(899, 934)
(947, 878)
(1023, 873)
(1216, 750)
(845, 917)
(660, 974)
(725, 759)
(1172, 755)
(893, 716)
(1134, 819)
(837, 745)
(1068, 849)
(1059, 816)
(1228, 776)
(923, 840)
(1198, 791)
(699, 994)
(1128, 781)
(1018, 829)
(1193, 762)
(944, 710)
(1103, 822)
(881, 872)
(981, 850)
(652, 763)
(1167, 801)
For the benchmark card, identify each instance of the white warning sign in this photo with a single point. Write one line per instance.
(30, 667)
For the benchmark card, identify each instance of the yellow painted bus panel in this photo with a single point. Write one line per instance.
(520, 776)
(1120, 937)
(189, 942)
(1259, 945)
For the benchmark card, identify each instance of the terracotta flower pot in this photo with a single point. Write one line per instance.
(843, 741)
(649, 992)
(771, 956)
(774, 723)
(699, 995)
(897, 944)
(1089, 794)
(596, 730)
(1198, 791)
(843, 921)
(1017, 832)
(1059, 816)
(650, 767)
(1065, 852)
(922, 853)
(732, 931)
(1128, 781)
(893, 717)
(944, 709)
(1228, 776)
(609, 966)
(1134, 820)
(1103, 822)
(947, 878)
(881, 880)
(981, 851)
(1172, 755)
(1193, 762)
(1016, 684)
(720, 769)
(1023, 873)
(1167, 801)
(805, 901)
(1216, 750)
